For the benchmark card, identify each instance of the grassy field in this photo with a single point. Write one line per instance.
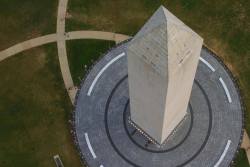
(22, 20)
(34, 111)
(126, 16)
(241, 160)
(83, 53)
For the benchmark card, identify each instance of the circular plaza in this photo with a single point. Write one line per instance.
(209, 135)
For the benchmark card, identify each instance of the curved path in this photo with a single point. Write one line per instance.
(26, 45)
(60, 38)
(62, 53)
(20, 47)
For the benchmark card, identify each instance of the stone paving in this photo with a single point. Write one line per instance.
(209, 136)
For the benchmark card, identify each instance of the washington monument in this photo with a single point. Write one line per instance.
(162, 62)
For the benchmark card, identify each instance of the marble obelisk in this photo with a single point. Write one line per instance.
(162, 62)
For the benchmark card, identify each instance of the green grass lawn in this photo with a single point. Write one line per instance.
(22, 20)
(34, 111)
(241, 160)
(83, 53)
(123, 16)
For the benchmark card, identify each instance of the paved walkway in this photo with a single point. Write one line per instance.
(96, 35)
(26, 45)
(62, 52)
(246, 145)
